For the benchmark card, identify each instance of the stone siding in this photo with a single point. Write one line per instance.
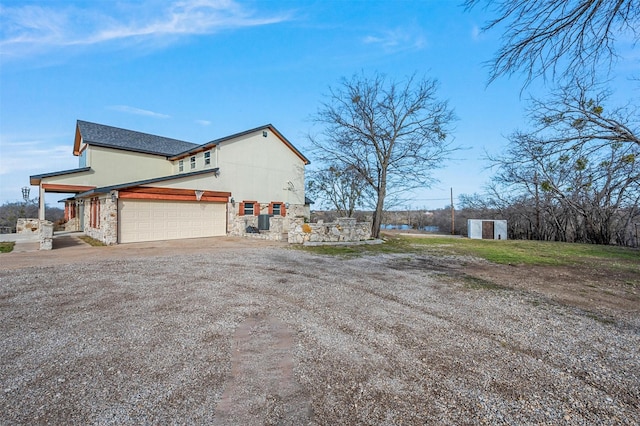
(108, 230)
(27, 226)
(278, 225)
(72, 225)
(342, 230)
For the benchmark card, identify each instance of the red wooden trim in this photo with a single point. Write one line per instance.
(256, 209)
(56, 187)
(170, 197)
(241, 210)
(283, 210)
(76, 142)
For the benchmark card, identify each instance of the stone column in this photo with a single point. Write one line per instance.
(46, 235)
(41, 203)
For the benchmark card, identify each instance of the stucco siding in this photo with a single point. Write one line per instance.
(112, 166)
(261, 168)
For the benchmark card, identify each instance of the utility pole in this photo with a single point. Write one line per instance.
(453, 220)
(535, 182)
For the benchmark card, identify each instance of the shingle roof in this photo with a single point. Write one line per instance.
(114, 137)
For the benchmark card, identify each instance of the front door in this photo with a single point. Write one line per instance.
(487, 230)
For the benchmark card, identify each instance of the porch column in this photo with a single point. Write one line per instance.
(41, 203)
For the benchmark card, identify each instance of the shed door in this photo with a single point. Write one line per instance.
(487, 230)
(143, 220)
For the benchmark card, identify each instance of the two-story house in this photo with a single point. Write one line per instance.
(133, 186)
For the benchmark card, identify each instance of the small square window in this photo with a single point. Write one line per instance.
(248, 209)
(277, 209)
(207, 158)
(181, 166)
(193, 162)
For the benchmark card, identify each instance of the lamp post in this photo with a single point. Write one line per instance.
(25, 193)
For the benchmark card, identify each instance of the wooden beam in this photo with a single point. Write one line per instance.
(56, 187)
(169, 197)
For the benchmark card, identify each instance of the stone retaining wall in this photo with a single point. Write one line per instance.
(27, 226)
(342, 230)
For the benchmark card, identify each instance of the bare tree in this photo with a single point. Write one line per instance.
(560, 37)
(342, 188)
(584, 159)
(391, 133)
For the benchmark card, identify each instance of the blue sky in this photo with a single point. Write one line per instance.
(198, 70)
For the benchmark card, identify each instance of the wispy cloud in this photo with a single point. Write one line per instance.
(137, 111)
(35, 29)
(203, 122)
(398, 39)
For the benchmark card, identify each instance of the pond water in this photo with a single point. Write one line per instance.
(405, 227)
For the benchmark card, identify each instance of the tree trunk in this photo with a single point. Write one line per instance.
(378, 214)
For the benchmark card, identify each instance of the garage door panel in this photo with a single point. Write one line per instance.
(144, 220)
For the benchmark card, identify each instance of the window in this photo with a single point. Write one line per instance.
(249, 208)
(277, 209)
(207, 158)
(83, 158)
(193, 162)
(181, 166)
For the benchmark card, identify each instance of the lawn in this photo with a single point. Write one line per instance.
(6, 246)
(509, 252)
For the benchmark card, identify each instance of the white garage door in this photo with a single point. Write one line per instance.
(142, 220)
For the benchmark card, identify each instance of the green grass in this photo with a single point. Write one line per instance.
(528, 252)
(510, 252)
(7, 246)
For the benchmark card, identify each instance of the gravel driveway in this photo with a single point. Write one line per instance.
(263, 334)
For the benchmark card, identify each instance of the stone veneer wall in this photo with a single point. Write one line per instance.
(342, 230)
(27, 226)
(278, 225)
(108, 231)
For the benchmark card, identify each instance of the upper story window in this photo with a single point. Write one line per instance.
(207, 158)
(193, 162)
(83, 159)
(181, 166)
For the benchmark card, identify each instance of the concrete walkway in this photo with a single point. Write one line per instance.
(31, 242)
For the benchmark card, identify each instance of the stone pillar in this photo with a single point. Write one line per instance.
(46, 235)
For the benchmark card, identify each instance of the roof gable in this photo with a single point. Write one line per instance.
(128, 140)
(215, 142)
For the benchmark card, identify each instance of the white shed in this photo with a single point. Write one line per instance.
(487, 229)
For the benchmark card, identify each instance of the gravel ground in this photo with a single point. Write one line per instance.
(267, 335)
